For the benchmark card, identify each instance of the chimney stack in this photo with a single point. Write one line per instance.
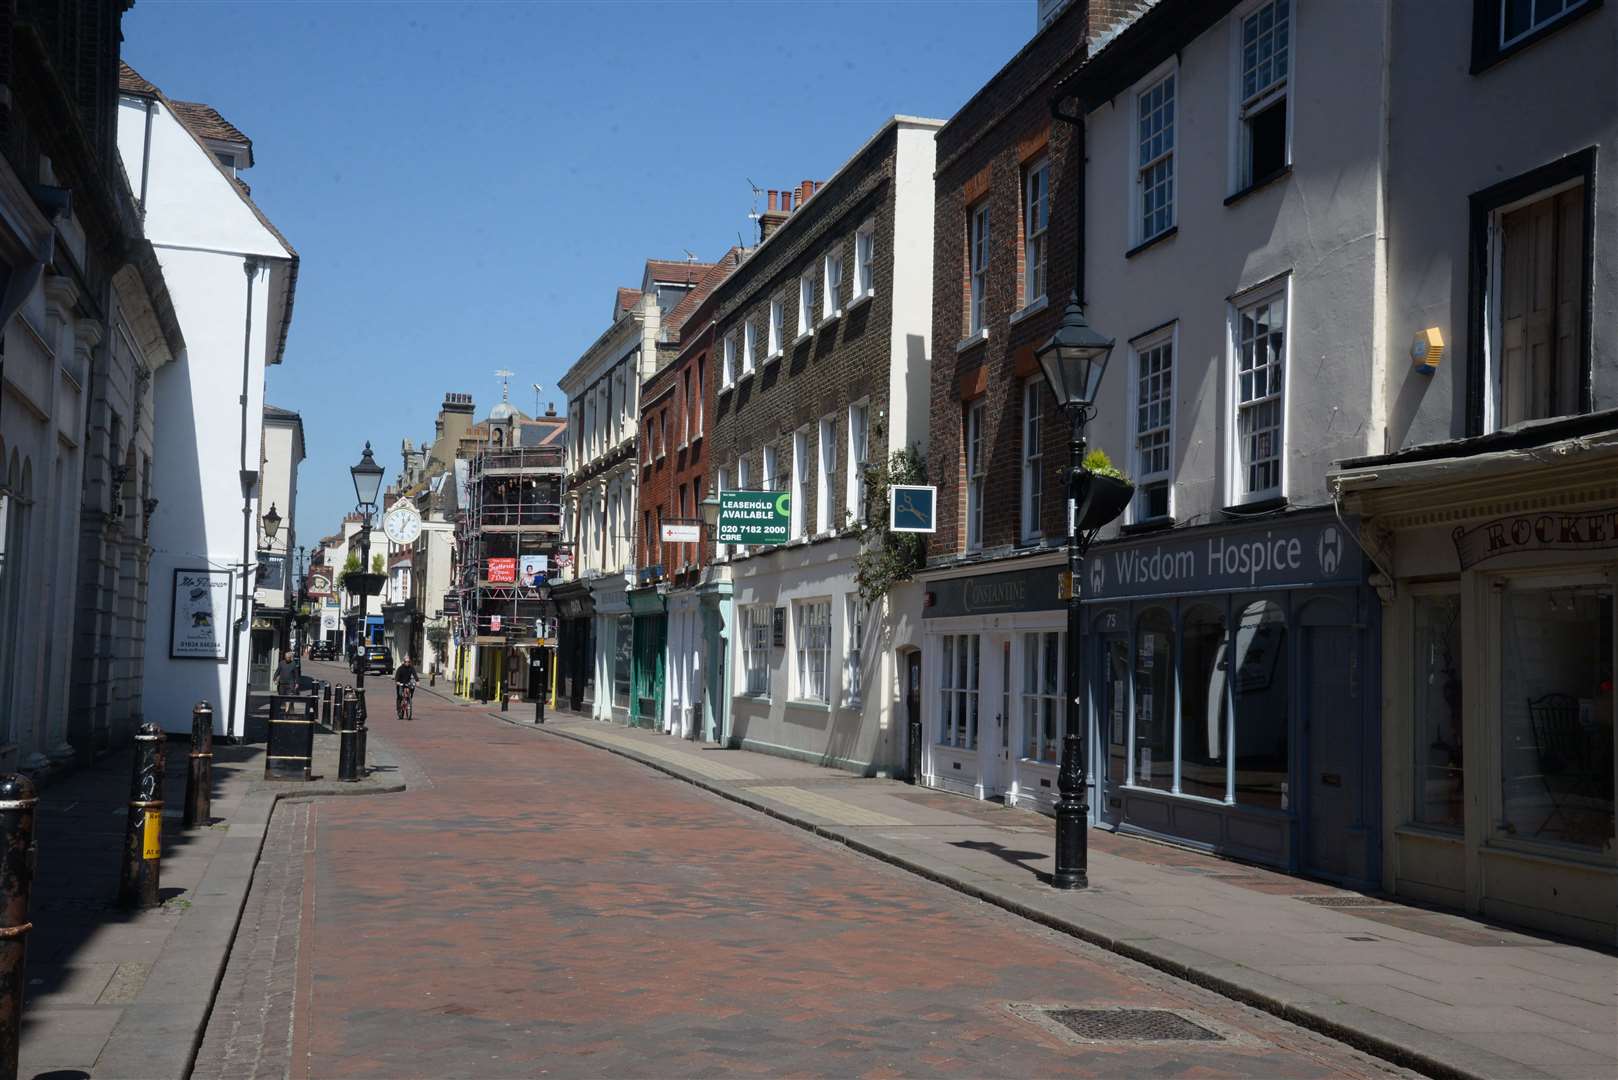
(783, 203)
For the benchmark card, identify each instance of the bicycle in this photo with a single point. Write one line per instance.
(405, 701)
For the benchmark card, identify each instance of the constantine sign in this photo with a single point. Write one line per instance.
(1588, 531)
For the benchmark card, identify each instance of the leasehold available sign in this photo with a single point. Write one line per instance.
(754, 517)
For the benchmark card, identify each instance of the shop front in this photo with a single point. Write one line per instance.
(994, 646)
(1232, 672)
(1499, 654)
(647, 673)
(575, 676)
(714, 595)
(686, 658)
(614, 648)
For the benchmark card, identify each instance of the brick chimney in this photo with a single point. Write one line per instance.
(782, 205)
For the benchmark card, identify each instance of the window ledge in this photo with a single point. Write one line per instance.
(1256, 506)
(725, 388)
(1157, 524)
(796, 541)
(976, 338)
(828, 320)
(818, 706)
(773, 357)
(745, 375)
(1166, 234)
(803, 337)
(1257, 185)
(1029, 309)
(862, 298)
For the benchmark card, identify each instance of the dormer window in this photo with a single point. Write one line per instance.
(227, 158)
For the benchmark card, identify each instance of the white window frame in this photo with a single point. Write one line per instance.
(1534, 25)
(1033, 459)
(806, 305)
(854, 623)
(859, 455)
(1032, 743)
(957, 703)
(1168, 336)
(825, 469)
(1272, 291)
(1036, 211)
(744, 480)
(727, 372)
(811, 619)
(864, 262)
(778, 322)
(771, 477)
(977, 413)
(978, 239)
(749, 348)
(1166, 76)
(800, 452)
(831, 284)
(1243, 107)
(755, 671)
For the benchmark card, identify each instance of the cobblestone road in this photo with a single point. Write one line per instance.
(540, 907)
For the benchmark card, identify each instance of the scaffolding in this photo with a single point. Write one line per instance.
(510, 519)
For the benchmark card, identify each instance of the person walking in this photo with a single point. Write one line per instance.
(405, 680)
(286, 674)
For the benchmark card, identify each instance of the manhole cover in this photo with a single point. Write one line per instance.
(1344, 901)
(1132, 1025)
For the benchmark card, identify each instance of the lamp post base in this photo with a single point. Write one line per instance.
(1071, 870)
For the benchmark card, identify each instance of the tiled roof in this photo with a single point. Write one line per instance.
(206, 122)
(676, 271)
(280, 413)
(716, 273)
(130, 82)
(627, 298)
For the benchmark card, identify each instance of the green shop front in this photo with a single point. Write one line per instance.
(649, 609)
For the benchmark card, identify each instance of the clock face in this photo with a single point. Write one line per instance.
(402, 524)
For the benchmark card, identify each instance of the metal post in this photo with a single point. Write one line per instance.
(325, 703)
(1072, 808)
(362, 726)
(199, 782)
(143, 834)
(365, 601)
(539, 698)
(347, 738)
(17, 857)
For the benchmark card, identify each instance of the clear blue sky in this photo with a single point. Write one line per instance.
(467, 184)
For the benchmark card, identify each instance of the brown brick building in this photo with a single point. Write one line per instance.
(1010, 191)
(821, 342)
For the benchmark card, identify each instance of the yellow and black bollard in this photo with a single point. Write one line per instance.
(199, 782)
(143, 837)
(17, 857)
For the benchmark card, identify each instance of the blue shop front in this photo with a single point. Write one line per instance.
(1234, 677)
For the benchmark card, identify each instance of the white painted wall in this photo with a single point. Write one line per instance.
(910, 368)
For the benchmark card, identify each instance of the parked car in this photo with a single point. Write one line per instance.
(375, 658)
(323, 650)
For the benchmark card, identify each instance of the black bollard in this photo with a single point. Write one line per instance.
(541, 675)
(362, 728)
(143, 836)
(17, 857)
(199, 782)
(325, 703)
(1072, 819)
(347, 738)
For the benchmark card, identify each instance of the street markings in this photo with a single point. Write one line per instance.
(836, 811)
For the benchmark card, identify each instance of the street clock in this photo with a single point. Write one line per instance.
(402, 524)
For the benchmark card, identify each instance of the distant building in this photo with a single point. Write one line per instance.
(275, 592)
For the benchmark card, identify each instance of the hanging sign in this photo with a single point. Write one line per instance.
(200, 617)
(319, 581)
(680, 534)
(912, 508)
(754, 517)
(1591, 530)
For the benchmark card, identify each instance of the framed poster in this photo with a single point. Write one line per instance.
(199, 621)
(531, 570)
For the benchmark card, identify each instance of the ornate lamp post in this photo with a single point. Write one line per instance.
(710, 512)
(1073, 361)
(542, 669)
(367, 485)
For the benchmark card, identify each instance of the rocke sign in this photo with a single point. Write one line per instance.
(1591, 530)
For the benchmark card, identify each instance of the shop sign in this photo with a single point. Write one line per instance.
(680, 534)
(1591, 530)
(754, 517)
(994, 594)
(319, 581)
(503, 571)
(329, 621)
(1278, 555)
(200, 615)
(912, 508)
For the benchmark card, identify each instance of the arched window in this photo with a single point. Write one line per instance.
(1259, 687)
(1153, 743)
(1204, 715)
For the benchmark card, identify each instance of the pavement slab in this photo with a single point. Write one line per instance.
(538, 906)
(1456, 988)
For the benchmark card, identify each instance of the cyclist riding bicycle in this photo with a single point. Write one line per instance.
(405, 680)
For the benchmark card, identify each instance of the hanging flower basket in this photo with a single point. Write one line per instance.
(1101, 499)
(369, 584)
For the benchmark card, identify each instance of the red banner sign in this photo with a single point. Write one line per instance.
(503, 570)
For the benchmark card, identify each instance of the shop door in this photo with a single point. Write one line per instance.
(994, 740)
(1333, 844)
(651, 634)
(913, 715)
(264, 659)
(1111, 688)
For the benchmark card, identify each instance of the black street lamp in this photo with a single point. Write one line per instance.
(272, 524)
(710, 517)
(1073, 361)
(367, 484)
(542, 668)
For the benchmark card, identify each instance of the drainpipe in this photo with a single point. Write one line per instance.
(249, 478)
(1075, 153)
(146, 157)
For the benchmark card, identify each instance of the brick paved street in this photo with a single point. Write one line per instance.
(539, 906)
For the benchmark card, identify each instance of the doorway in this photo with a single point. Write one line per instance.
(1335, 838)
(1110, 767)
(913, 715)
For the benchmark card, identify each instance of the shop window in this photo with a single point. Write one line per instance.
(1204, 708)
(623, 660)
(1153, 740)
(756, 650)
(958, 692)
(1259, 690)
(813, 640)
(1115, 664)
(1042, 696)
(1556, 715)
(1440, 780)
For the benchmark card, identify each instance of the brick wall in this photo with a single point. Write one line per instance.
(664, 399)
(843, 362)
(983, 154)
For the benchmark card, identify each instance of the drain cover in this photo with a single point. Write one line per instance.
(1131, 1025)
(1344, 901)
